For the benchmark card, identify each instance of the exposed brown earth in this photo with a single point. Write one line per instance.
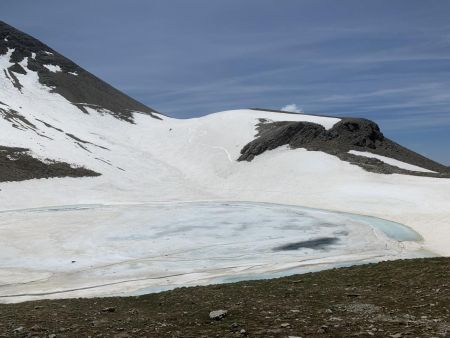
(405, 298)
(16, 164)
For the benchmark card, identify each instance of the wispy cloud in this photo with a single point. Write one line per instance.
(292, 108)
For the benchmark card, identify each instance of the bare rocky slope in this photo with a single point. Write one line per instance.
(406, 298)
(73, 82)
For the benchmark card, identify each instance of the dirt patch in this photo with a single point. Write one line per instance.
(406, 298)
(16, 164)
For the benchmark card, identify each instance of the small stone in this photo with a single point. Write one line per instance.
(36, 328)
(218, 314)
(285, 325)
(397, 335)
(52, 335)
(234, 327)
(328, 311)
(109, 309)
(122, 335)
(243, 332)
(274, 331)
(18, 329)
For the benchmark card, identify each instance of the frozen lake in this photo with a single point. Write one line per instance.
(99, 250)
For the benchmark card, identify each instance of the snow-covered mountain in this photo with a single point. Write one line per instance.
(103, 152)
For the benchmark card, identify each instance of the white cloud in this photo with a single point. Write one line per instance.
(292, 108)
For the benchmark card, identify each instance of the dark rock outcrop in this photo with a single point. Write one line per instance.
(348, 134)
(345, 135)
(16, 164)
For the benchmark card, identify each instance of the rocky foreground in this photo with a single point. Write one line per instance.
(408, 298)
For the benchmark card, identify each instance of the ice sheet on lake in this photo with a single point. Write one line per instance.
(94, 250)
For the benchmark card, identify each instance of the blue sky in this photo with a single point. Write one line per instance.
(388, 61)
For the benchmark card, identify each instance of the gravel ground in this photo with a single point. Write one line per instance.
(405, 298)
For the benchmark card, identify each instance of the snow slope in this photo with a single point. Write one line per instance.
(195, 159)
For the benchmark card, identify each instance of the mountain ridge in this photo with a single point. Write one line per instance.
(67, 82)
(350, 134)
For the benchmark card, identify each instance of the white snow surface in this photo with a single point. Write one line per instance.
(166, 162)
(391, 161)
(53, 68)
(117, 249)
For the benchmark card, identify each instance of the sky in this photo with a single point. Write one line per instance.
(388, 61)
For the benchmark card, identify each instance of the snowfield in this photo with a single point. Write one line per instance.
(153, 165)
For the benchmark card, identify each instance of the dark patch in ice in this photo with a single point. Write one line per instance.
(296, 226)
(327, 225)
(341, 233)
(315, 244)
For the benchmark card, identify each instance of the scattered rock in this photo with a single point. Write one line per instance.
(36, 327)
(285, 325)
(275, 331)
(122, 335)
(397, 335)
(234, 327)
(109, 309)
(218, 314)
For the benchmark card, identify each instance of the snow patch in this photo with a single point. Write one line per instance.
(53, 68)
(391, 161)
